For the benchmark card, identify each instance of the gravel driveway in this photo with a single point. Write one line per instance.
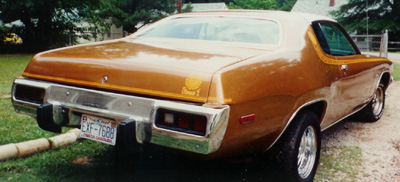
(379, 142)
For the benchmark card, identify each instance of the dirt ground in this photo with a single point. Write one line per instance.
(380, 141)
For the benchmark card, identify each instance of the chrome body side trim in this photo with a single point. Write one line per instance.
(337, 121)
(294, 115)
(365, 103)
(76, 101)
(322, 99)
(380, 78)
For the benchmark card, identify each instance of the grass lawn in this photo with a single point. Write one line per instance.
(396, 70)
(65, 164)
(47, 166)
(11, 66)
(14, 127)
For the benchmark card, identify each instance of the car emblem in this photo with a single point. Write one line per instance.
(95, 105)
(192, 85)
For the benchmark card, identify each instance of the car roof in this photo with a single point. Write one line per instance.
(294, 25)
(312, 17)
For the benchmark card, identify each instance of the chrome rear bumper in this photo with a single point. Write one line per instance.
(68, 103)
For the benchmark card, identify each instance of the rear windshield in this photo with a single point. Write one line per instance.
(248, 30)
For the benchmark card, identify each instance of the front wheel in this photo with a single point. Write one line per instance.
(298, 151)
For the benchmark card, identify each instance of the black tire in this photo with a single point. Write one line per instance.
(297, 152)
(374, 110)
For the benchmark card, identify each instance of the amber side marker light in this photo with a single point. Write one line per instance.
(182, 122)
(247, 118)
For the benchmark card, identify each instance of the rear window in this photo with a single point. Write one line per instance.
(229, 29)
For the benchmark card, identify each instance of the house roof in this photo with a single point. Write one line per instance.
(207, 6)
(318, 7)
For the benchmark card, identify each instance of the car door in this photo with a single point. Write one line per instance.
(356, 84)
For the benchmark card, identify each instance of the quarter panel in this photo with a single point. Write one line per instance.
(272, 86)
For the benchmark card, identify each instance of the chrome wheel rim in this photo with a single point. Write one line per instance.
(377, 101)
(307, 152)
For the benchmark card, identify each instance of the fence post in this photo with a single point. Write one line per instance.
(386, 44)
(383, 50)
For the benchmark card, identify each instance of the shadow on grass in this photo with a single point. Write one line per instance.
(154, 166)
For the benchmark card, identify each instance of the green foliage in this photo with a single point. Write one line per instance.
(285, 5)
(382, 15)
(130, 13)
(3, 32)
(252, 4)
(47, 22)
(207, 1)
(187, 8)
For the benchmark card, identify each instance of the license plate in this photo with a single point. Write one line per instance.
(98, 129)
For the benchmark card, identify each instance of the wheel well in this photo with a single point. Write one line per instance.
(317, 108)
(385, 79)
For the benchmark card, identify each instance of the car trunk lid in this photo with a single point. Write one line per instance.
(175, 69)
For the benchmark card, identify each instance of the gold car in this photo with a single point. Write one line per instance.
(12, 38)
(215, 84)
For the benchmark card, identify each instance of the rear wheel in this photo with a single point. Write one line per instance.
(297, 152)
(374, 110)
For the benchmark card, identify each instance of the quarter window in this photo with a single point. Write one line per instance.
(333, 39)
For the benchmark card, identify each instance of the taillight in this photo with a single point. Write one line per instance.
(29, 94)
(200, 124)
(168, 119)
(182, 122)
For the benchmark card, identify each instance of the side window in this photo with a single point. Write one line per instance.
(333, 39)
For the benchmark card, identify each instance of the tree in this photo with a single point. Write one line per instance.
(285, 5)
(187, 8)
(252, 4)
(382, 15)
(131, 13)
(207, 1)
(46, 22)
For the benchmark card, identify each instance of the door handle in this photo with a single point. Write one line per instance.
(344, 67)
